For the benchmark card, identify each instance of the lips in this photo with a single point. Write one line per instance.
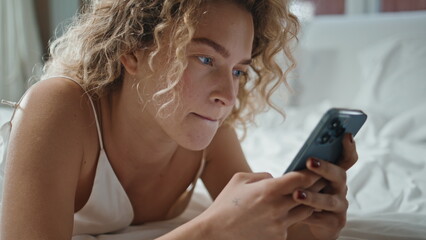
(205, 117)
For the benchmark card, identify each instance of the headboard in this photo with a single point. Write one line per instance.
(329, 64)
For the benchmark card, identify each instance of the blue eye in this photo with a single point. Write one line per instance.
(238, 73)
(206, 60)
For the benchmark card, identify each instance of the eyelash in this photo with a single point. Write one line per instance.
(203, 59)
(241, 73)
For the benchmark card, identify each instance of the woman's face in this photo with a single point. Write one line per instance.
(218, 57)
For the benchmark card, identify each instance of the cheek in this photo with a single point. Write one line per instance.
(187, 92)
(193, 84)
(237, 87)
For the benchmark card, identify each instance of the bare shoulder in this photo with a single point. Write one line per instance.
(54, 112)
(57, 96)
(45, 155)
(54, 102)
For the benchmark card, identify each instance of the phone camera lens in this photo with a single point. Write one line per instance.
(324, 138)
(335, 123)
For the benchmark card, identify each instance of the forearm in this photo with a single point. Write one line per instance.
(197, 228)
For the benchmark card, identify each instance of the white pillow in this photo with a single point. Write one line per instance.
(314, 76)
(394, 74)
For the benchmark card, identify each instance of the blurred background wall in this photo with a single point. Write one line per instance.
(50, 14)
(26, 27)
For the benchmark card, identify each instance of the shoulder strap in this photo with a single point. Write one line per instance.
(93, 108)
(14, 105)
(97, 123)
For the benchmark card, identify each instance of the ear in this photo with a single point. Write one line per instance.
(130, 63)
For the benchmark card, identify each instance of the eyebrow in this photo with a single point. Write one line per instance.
(218, 48)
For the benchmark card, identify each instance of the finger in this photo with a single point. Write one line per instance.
(349, 154)
(287, 203)
(289, 182)
(329, 189)
(331, 220)
(331, 172)
(318, 186)
(298, 214)
(250, 177)
(327, 202)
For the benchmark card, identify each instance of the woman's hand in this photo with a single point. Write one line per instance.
(308, 204)
(257, 206)
(329, 202)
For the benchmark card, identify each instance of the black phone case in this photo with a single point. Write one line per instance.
(325, 141)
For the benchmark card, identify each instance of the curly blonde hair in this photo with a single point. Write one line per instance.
(105, 30)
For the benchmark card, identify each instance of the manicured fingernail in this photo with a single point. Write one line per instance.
(301, 195)
(315, 163)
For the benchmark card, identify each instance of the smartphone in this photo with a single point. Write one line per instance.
(325, 141)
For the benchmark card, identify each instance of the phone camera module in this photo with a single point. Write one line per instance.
(338, 131)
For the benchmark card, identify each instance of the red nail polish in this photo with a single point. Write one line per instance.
(315, 163)
(301, 195)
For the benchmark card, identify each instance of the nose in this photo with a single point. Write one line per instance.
(225, 91)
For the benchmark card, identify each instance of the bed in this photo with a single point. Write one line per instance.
(376, 63)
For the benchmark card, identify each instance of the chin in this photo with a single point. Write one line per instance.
(198, 141)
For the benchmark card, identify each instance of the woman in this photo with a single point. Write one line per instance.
(160, 85)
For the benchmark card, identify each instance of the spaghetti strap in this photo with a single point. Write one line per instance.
(14, 105)
(97, 123)
(93, 108)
